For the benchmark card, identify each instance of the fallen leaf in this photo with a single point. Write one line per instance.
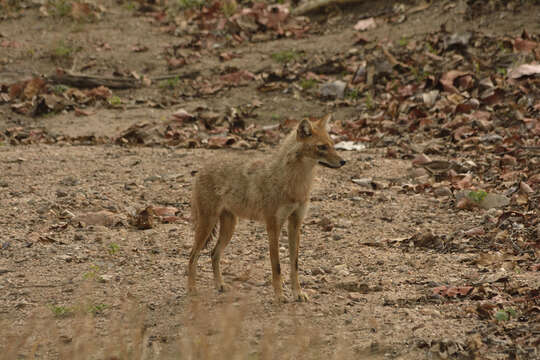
(447, 80)
(365, 24)
(524, 70)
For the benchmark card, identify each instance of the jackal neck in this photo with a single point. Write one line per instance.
(297, 170)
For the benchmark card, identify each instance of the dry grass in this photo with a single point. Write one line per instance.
(202, 332)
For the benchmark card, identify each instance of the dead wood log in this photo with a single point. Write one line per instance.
(319, 4)
(91, 81)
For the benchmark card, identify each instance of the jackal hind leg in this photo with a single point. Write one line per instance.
(227, 223)
(203, 230)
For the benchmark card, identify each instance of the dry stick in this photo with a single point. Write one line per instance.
(90, 81)
(318, 4)
(392, 59)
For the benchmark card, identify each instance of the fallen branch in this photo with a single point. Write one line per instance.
(91, 81)
(318, 4)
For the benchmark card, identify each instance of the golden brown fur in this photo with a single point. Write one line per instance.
(269, 189)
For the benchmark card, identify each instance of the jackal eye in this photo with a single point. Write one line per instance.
(322, 147)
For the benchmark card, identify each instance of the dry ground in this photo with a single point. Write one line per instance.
(370, 257)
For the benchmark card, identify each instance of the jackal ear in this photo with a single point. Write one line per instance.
(304, 130)
(325, 121)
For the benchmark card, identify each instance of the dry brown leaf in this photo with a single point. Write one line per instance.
(365, 24)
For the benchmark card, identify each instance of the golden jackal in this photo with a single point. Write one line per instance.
(270, 189)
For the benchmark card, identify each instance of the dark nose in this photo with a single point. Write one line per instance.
(342, 162)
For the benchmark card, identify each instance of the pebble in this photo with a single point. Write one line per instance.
(442, 191)
(333, 89)
(365, 182)
(105, 278)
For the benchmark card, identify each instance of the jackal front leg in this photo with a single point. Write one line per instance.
(295, 223)
(273, 227)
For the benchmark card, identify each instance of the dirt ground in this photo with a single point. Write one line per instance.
(395, 263)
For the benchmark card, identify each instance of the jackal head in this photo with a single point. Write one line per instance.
(317, 144)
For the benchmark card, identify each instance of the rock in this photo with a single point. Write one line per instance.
(317, 271)
(442, 191)
(430, 97)
(491, 138)
(365, 182)
(494, 201)
(350, 146)
(102, 218)
(343, 273)
(488, 202)
(416, 172)
(334, 89)
(69, 181)
(508, 160)
(421, 159)
(353, 285)
(356, 297)
(66, 258)
(153, 178)
(105, 278)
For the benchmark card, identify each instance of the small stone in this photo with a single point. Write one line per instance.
(491, 138)
(78, 237)
(153, 178)
(60, 193)
(430, 97)
(66, 258)
(442, 191)
(69, 181)
(343, 273)
(105, 278)
(365, 182)
(317, 271)
(494, 201)
(333, 89)
(508, 160)
(416, 172)
(355, 296)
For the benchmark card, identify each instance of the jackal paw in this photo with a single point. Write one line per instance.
(191, 291)
(301, 297)
(280, 299)
(222, 288)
